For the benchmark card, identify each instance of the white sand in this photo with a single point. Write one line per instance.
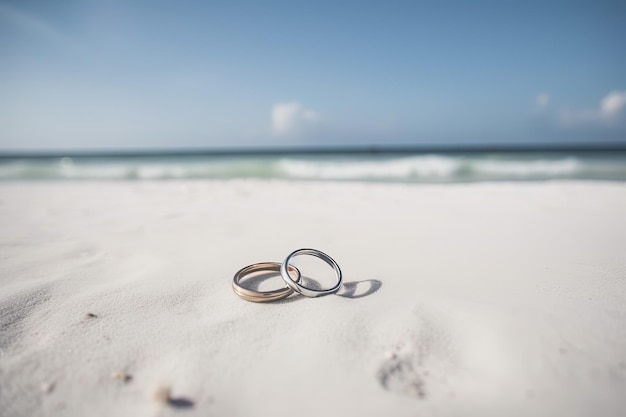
(494, 300)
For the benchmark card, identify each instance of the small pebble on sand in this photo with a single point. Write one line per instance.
(90, 315)
(391, 355)
(162, 394)
(122, 376)
(47, 387)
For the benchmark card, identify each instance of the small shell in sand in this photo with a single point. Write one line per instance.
(47, 387)
(122, 376)
(162, 394)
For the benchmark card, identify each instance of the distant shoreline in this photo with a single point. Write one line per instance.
(317, 150)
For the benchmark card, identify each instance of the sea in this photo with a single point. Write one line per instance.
(401, 167)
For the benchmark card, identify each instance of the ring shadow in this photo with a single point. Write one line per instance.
(348, 290)
(180, 402)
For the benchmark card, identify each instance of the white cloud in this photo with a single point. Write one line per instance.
(292, 118)
(610, 111)
(542, 100)
(613, 103)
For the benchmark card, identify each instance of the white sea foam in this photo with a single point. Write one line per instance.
(415, 168)
(524, 169)
(401, 168)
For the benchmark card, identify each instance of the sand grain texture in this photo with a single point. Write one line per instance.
(481, 299)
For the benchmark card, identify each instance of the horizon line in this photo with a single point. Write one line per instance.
(315, 150)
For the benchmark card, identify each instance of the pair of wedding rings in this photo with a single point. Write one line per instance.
(290, 274)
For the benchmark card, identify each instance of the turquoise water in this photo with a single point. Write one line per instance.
(418, 168)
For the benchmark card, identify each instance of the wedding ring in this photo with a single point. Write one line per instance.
(297, 286)
(263, 296)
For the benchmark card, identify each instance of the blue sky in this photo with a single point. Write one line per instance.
(135, 74)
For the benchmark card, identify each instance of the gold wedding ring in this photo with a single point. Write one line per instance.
(263, 296)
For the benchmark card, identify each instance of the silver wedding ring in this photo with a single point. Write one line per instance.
(290, 275)
(298, 286)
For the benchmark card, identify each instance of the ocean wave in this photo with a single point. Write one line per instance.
(564, 167)
(403, 168)
(415, 168)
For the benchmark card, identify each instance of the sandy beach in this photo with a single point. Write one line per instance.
(487, 299)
